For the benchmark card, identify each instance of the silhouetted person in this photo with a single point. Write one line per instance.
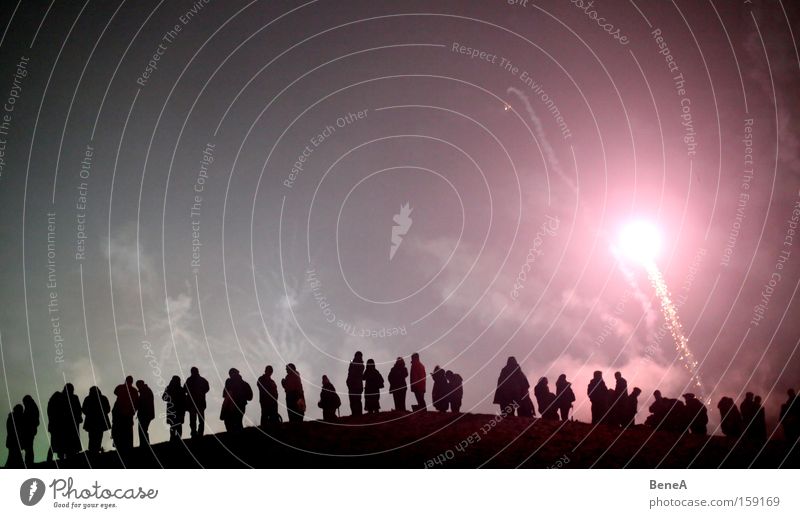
(373, 383)
(512, 390)
(696, 414)
(175, 397)
(440, 389)
(31, 420)
(598, 395)
(268, 398)
(545, 399)
(146, 411)
(675, 419)
(620, 394)
(658, 410)
(329, 400)
(629, 407)
(748, 411)
(122, 414)
(355, 383)
(417, 380)
(95, 409)
(565, 396)
(14, 425)
(398, 385)
(731, 419)
(295, 399)
(790, 418)
(56, 419)
(456, 385)
(74, 418)
(236, 394)
(196, 389)
(759, 421)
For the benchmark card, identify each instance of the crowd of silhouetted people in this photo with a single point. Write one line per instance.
(134, 406)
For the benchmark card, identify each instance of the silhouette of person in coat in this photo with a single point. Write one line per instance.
(397, 384)
(565, 396)
(598, 396)
(175, 397)
(630, 406)
(329, 400)
(14, 425)
(236, 394)
(748, 411)
(731, 419)
(145, 412)
(122, 414)
(196, 388)
(295, 399)
(440, 390)
(696, 414)
(73, 420)
(417, 379)
(512, 391)
(56, 417)
(268, 398)
(31, 415)
(355, 383)
(456, 385)
(373, 383)
(618, 397)
(546, 400)
(95, 409)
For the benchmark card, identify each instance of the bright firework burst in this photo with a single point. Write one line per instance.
(641, 242)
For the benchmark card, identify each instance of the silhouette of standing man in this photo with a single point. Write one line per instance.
(696, 414)
(234, 400)
(14, 425)
(268, 397)
(96, 408)
(56, 419)
(620, 395)
(630, 407)
(512, 391)
(146, 411)
(74, 418)
(175, 396)
(598, 396)
(731, 419)
(329, 400)
(122, 414)
(418, 382)
(373, 383)
(748, 411)
(31, 415)
(440, 390)
(456, 385)
(565, 396)
(355, 383)
(546, 400)
(196, 389)
(295, 398)
(398, 385)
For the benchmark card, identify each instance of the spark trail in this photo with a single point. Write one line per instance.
(670, 312)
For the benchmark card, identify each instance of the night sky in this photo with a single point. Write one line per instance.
(215, 184)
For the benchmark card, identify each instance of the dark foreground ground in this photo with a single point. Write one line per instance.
(393, 440)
